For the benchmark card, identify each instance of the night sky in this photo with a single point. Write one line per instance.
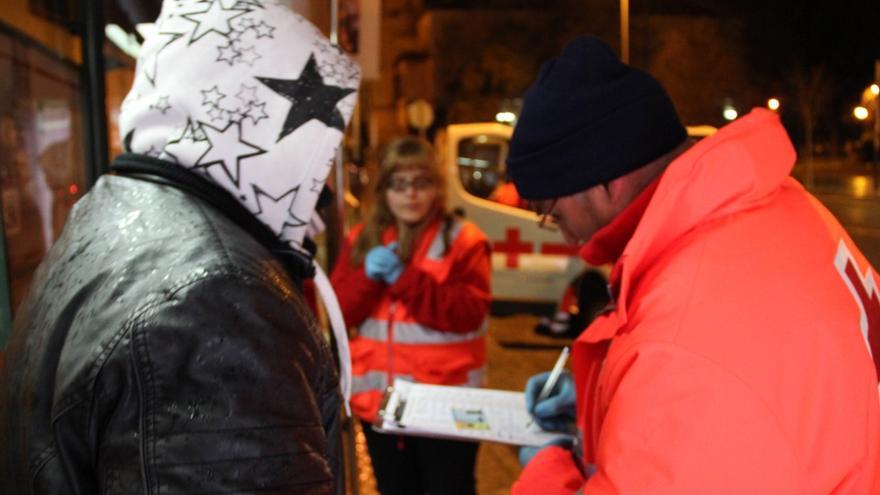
(843, 36)
(839, 38)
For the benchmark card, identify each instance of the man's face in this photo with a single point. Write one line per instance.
(580, 215)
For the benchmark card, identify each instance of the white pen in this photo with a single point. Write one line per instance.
(552, 379)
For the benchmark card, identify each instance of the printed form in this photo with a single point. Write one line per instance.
(461, 413)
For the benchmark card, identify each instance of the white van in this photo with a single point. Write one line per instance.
(529, 264)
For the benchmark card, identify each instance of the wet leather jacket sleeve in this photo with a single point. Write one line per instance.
(234, 412)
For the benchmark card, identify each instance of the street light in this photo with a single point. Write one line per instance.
(624, 31)
(730, 113)
(505, 117)
(773, 104)
(870, 97)
(860, 112)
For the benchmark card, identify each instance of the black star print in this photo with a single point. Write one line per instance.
(264, 30)
(327, 48)
(251, 3)
(161, 105)
(216, 113)
(257, 112)
(226, 146)
(273, 201)
(310, 98)
(227, 53)
(249, 55)
(235, 115)
(235, 35)
(338, 69)
(230, 4)
(212, 96)
(185, 144)
(246, 23)
(207, 21)
(247, 94)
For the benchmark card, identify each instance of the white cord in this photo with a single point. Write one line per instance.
(337, 323)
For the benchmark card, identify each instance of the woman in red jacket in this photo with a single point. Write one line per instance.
(414, 281)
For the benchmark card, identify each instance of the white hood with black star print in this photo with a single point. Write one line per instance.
(248, 94)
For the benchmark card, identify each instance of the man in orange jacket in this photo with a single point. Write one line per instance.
(736, 356)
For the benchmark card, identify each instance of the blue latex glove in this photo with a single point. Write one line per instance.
(527, 453)
(556, 412)
(382, 263)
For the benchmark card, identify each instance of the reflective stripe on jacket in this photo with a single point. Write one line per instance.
(737, 357)
(427, 327)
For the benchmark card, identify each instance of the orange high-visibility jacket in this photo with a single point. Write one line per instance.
(429, 326)
(738, 358)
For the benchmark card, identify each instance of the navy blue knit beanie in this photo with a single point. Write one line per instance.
(586, 120)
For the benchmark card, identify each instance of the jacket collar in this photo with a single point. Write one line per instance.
(608, 243)
(740, 167)
(299, 264)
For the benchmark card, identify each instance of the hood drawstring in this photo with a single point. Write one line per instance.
(337, 323)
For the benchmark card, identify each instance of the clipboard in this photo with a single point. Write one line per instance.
(460, 413)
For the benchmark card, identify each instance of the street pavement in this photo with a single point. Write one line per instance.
(850, 193)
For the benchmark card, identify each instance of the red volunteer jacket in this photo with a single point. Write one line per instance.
(427, 327)
(738, 358)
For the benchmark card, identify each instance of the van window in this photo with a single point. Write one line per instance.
(480, 164)
(481, 169)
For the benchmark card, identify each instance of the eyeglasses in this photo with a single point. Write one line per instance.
(400, 185)
(545, 215)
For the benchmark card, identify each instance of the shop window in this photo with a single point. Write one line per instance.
(481, 169)
(42, 164)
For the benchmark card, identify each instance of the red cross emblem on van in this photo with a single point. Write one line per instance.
(512, 247)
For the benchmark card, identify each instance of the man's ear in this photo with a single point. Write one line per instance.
(618, 190)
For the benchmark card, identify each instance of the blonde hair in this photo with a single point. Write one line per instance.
(404, 153)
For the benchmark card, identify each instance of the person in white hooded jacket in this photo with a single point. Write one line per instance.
(165, 346)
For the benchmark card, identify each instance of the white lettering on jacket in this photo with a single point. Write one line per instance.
(864, 291)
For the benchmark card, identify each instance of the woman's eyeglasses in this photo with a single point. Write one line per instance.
(400, 185)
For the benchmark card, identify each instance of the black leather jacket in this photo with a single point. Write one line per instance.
(163, 349)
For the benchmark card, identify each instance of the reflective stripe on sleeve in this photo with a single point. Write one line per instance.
(414, 333)
(373, 380)
(378, 380)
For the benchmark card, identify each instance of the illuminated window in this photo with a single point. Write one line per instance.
(42, 164)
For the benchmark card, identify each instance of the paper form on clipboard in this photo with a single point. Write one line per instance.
(460, 413)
